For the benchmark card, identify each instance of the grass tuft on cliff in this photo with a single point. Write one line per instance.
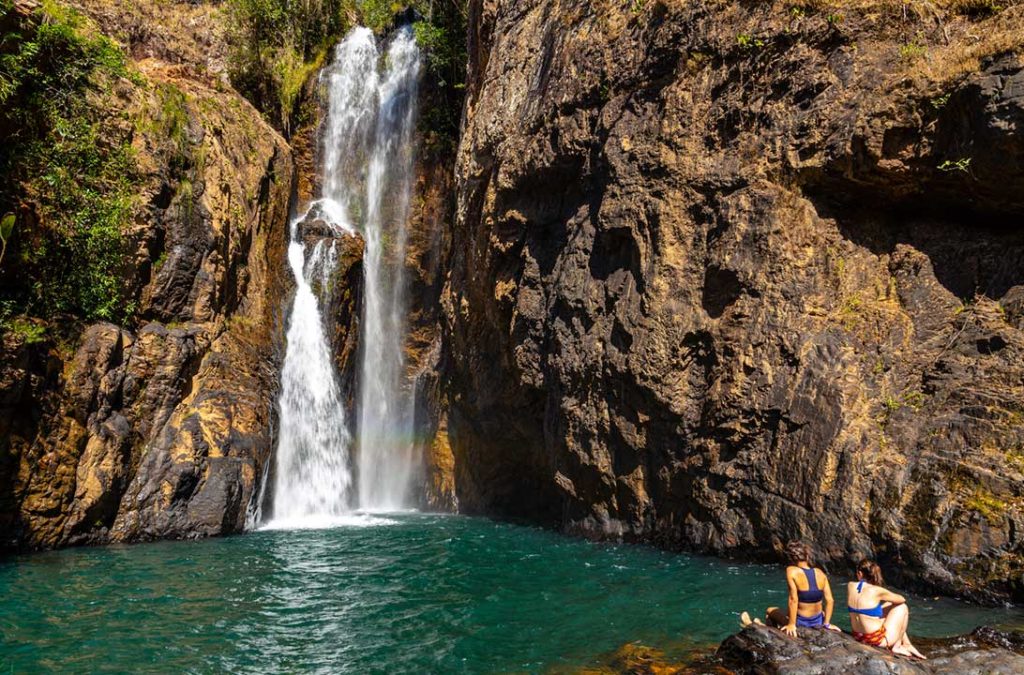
(66, 171)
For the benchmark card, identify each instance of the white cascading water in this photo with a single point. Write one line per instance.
(312, 477)
(386, 449)
(367, 169)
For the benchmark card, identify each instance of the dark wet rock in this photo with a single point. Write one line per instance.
(763, 650)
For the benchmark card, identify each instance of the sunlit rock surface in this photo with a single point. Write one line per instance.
(163, 428)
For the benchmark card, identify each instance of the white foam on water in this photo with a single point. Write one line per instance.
(323, 522)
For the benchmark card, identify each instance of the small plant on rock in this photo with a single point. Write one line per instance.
(911, 51)
(914, 400)
(29, 331)
(6, 231)
(950, 165)
(749, 42)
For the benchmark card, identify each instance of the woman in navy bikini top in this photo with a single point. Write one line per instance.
(809, 607)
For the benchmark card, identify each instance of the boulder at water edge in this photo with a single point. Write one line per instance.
(759, 649)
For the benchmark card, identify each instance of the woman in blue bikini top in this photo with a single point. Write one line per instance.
(878, 616)
(810, 596)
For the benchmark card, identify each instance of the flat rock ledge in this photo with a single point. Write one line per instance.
(759, 649)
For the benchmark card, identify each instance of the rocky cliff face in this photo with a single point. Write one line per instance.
(162, 428)
(729, 273)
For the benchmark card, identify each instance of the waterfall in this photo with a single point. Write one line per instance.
(312, 477)
(367, 179)
(386, 450)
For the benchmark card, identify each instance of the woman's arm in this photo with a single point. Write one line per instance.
(829, 605)
(794, 602)
(885, 595)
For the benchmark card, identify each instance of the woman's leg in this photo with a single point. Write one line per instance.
(896, 629)
(776, 617)
(910, 647)
(745, 620)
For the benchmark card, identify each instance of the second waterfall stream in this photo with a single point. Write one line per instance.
(323, 471)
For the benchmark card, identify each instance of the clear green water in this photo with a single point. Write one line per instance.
(422, 594)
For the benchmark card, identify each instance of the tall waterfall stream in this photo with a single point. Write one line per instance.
(367, 179)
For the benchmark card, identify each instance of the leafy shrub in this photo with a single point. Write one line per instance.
(377, 14)
(28, 331)
(276, 45)
(442, 36)
(60, 155)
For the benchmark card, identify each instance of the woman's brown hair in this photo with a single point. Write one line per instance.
(871, 572)
(797, 551)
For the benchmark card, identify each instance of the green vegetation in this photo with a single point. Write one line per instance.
(66, 172)
(160, 261)
(850, 311)
(28, 331)
(376, 15)
(963, 164)
(170, 120)
(911, 51)
(442, 36)
(989, 506)
(6, 232)
(891, 404)
(277, 45)
(1015, 458)
(749, 42)
(914, 400)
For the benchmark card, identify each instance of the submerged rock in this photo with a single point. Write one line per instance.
(762, 650)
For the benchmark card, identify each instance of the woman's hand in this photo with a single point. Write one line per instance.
(790, 630)
(835, 628)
